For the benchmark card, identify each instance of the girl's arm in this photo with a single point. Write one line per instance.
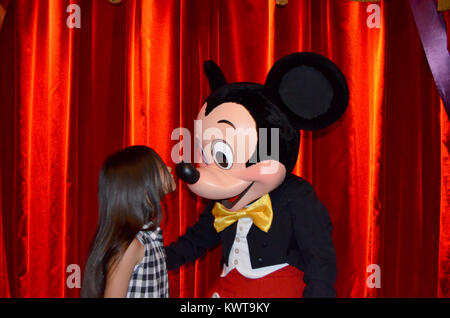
(119, 273)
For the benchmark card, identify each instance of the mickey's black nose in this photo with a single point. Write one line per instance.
(187, 172)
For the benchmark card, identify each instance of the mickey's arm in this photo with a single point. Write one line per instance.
(195, 242)
(312, 227)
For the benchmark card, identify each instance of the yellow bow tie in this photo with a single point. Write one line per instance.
(260, 211)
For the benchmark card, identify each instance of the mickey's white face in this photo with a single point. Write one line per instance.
(225, 143)
(228, 136)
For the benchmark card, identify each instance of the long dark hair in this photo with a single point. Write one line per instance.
(131, 185)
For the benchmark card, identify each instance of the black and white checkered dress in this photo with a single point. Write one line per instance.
(149, 278)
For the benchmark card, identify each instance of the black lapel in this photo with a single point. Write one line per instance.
(228, 236)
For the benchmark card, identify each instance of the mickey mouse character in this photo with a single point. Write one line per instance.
(275, 233)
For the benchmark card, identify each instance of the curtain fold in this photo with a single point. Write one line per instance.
(5, 289)
(133, 73)
(3, 7)
(444, 237)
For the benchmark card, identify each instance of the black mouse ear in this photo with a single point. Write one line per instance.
(309, 88)
(214, 74)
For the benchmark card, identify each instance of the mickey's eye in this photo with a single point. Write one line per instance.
(222, 154)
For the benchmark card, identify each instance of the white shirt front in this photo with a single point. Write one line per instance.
(239, 257)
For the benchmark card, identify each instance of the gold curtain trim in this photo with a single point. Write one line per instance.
(443, 5)
(281, 3)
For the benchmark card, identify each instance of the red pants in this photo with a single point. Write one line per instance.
(284, 283)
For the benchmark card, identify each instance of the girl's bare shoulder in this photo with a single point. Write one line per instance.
(135, 251)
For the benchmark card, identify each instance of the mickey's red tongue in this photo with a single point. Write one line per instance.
(233, 198)
(229, 203)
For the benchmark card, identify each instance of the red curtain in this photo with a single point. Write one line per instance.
(133, 72)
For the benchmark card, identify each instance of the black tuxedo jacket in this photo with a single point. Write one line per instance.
(300, 235)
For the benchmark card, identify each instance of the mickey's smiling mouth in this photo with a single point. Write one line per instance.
(231, 202)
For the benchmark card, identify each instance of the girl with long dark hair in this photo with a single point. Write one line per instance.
(127, 257)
